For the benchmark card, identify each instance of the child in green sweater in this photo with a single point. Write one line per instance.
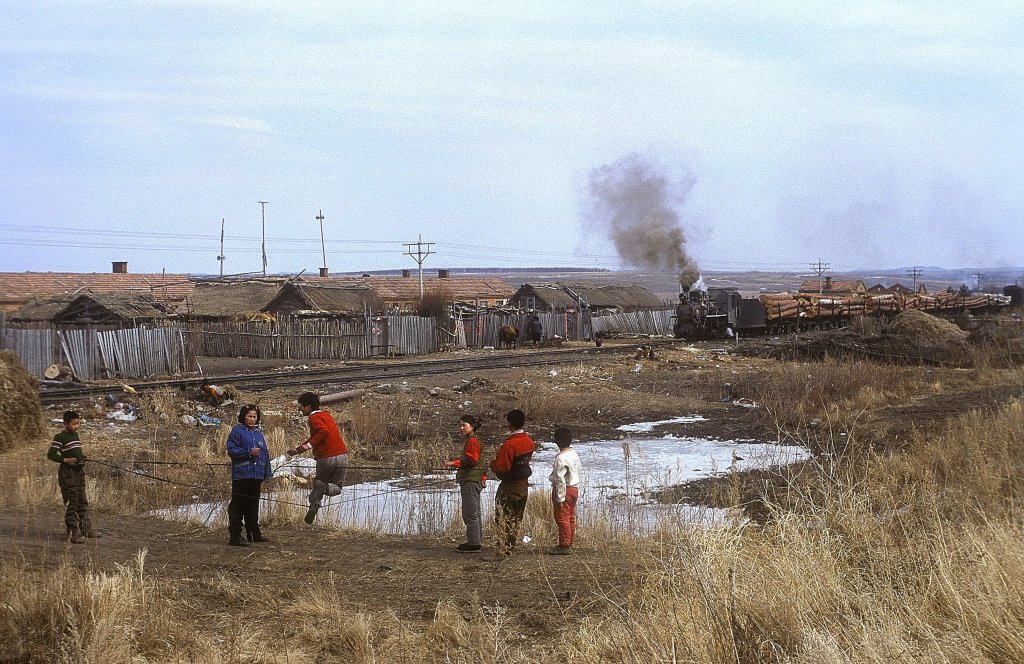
(66, 450)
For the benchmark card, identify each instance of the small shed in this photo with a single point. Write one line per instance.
(112, 309)
(305, 299)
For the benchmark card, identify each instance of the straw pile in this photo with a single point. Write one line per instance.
(925, 330)
(21, 416)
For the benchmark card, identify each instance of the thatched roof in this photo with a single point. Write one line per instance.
(229, 299)
(630, 297)
(112, 308)
(308, 298)
(40, 309)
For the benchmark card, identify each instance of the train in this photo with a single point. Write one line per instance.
(723, 312)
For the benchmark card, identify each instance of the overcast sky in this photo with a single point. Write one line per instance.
(863, 134)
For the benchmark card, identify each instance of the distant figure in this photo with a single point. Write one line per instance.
(512, 467)
(508, 335)
(565, 479)
(536, 330)
(250, 467)
(471, 479)
(328, 449)
(66, 450)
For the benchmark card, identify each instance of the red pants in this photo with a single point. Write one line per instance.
(565, 516)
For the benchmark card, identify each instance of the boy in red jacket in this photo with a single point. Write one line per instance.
(512, 467)
(328, 449)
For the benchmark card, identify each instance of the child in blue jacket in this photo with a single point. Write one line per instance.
(250, 466)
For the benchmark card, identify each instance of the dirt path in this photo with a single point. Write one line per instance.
(406, 575)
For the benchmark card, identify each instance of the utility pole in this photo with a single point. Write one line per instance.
(914, 273)
(263, 216)
(979, 276)
(422, 251)
(819, 269)
(220, 258)
(323, 247)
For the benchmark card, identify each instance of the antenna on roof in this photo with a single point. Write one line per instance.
(220, 258)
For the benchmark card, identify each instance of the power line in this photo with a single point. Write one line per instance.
(819, 269)
(422, 251)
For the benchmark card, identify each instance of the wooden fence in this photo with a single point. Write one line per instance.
(146, 351)
(635, 322)
(92, 353)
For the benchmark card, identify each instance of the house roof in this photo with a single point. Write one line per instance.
(558, 295)
(324, 297)
(392, 289)
(109, 306)
(230, 298)
(17, 288)
(41, 308)
(846, 286)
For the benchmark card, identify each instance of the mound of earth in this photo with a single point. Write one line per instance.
(21, 415)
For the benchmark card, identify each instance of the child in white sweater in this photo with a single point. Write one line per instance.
(565, 479)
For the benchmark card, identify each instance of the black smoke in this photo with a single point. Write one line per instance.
(637, 203)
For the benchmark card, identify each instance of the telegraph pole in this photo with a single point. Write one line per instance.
(819, 269)
(263, 216)
(323, 247)
(914, 273)
(979, 276)
(422, 251)
(220, 258)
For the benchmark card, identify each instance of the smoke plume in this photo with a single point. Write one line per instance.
(636, 202)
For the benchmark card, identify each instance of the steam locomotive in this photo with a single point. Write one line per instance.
(719, 312)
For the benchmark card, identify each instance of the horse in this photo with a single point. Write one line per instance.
(508, 335)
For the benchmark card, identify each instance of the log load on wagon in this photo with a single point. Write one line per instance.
(719, 312)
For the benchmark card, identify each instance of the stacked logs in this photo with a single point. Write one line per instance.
(780, 306)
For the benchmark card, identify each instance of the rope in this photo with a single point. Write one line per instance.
(279, 501)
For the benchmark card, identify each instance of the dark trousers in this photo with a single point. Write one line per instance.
(510, 506)
(471, 511)
(244, 507)
(71, 480)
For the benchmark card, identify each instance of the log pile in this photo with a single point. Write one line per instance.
(782, 306)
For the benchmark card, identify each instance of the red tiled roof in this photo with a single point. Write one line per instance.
(16, 288)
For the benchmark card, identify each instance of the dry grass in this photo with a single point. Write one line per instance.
(910, 556)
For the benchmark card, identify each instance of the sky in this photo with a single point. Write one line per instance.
(861, 134)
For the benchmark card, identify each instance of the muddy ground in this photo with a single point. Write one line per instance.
(410, 575)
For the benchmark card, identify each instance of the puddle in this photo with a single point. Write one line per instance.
(618, 475)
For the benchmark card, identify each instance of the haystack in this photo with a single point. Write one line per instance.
(21, 415)
(925, 329)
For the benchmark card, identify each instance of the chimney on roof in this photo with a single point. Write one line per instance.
(442, 273)
(119, 267)
(323, 272)
(828, 283)
(406, 274)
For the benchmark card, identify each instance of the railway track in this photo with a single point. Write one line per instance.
(328, 378)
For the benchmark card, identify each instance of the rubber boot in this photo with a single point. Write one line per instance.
(236, 540)
(75, 536)
(311, 514)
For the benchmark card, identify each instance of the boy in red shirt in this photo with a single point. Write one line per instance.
(512, 467)
(328, 449)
